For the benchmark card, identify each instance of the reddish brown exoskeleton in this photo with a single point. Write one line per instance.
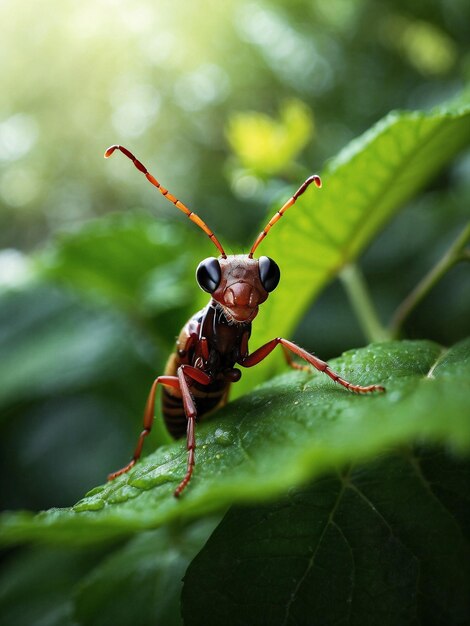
(198, 374)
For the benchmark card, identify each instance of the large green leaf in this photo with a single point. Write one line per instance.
(141, 583)
(29, 596)
(363, 187)
(136, 583)
(385, 543)
(284, 433)
(142, 264)
(50, 341)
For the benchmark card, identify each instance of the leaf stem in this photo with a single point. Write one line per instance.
(358, 294)
(457, 252)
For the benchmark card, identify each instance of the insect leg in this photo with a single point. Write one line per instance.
(290, 361)
(185, 372)
(170, 381)
(261, 353)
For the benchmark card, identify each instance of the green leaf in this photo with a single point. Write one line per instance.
(36, 585)
(136, 583)
(283, 434)
(385, 543)
(363, 187)
(51, 341)
(141, 583)
(133, 260)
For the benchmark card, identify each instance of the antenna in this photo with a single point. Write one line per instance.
(277, 216)
(179, 205)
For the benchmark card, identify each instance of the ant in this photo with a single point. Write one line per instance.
(198, 374)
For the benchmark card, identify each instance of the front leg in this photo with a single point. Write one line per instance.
(187, 373)
(261, 353)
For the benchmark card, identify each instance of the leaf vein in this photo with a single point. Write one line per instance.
(418, 470)
(442, 354)
(353, 571)
(314, 554)
(420, 145)
(393, 534)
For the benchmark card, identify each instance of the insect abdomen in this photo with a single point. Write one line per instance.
(207, 399)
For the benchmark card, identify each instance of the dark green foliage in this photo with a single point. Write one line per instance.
(385, 542)
(138, 583)
(141, 583)
(345, 509)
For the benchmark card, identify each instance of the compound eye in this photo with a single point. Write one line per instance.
(269, 273)
(208, 274)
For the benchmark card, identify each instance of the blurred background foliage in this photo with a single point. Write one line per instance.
(230, 105)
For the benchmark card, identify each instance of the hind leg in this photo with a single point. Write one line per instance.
(170, 381)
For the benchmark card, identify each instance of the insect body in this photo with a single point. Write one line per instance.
(199, 373)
